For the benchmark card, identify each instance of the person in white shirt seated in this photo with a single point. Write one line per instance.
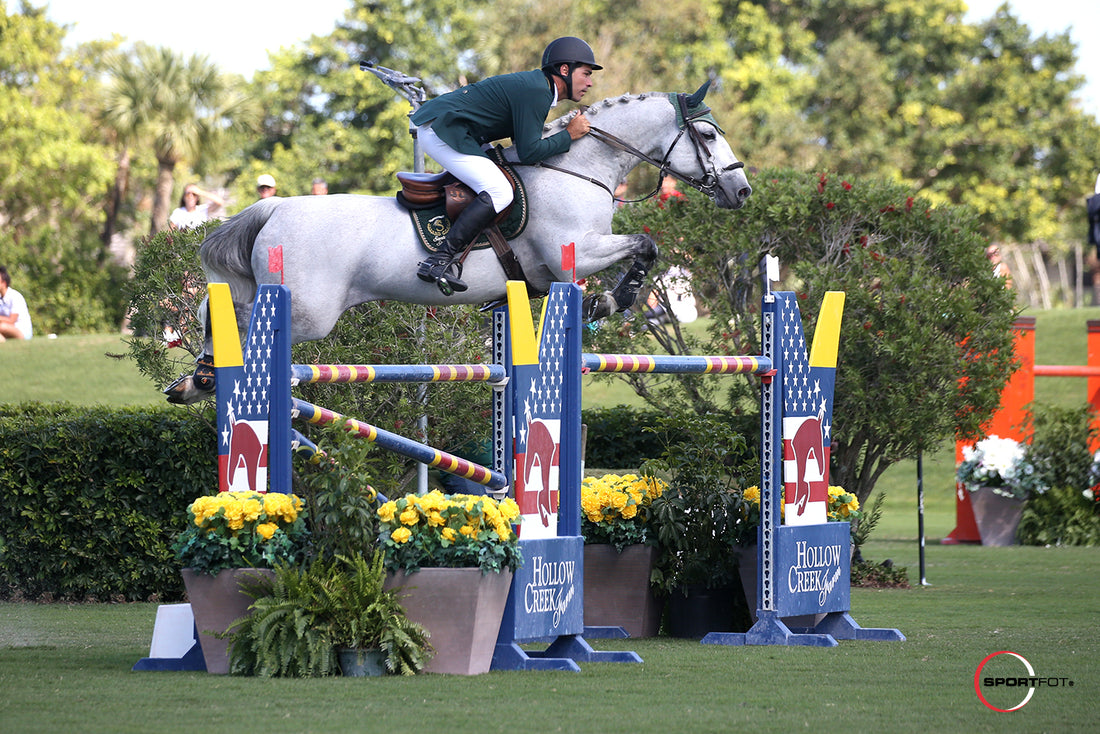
(15, 319)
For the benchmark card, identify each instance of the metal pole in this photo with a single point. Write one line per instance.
(920, 514)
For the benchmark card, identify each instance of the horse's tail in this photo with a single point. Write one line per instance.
(226, 253)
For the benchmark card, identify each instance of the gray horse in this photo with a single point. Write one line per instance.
(335, 252)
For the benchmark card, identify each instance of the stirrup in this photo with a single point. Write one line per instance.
(436, 269)
(449, 284)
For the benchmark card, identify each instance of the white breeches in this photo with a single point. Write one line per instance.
(477, 172)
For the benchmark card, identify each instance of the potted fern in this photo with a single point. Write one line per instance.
(325, 618)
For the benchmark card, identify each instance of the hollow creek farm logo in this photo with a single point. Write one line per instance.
(550, 588)
(1005, 681)
(816, 570)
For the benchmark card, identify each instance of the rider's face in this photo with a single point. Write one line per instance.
(582, 80)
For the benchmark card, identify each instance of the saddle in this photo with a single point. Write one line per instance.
(424, 193)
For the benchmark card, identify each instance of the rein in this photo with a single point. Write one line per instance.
(706, 184)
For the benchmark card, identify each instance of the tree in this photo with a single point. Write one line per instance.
(926, 341)
(177, 106)
(51, 172)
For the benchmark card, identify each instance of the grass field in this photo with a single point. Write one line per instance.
(67, 667)
(75, 369)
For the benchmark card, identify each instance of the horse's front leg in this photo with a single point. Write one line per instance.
(602, 305)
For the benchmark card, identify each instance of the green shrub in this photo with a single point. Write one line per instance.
(617, 438)
(341, 502)
(297, 624)
(1060, 441)
(92, 499)
(169, 286)
(926, 338)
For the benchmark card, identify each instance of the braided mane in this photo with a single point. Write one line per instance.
(561, 122)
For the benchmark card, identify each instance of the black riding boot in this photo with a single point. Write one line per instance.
(441, 267)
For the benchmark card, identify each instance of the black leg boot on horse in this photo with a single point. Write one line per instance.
(443, 268)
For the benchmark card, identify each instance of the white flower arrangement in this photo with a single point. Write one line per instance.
(1001, 464)
(1093, 492)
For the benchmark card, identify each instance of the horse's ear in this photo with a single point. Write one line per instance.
(697, 99)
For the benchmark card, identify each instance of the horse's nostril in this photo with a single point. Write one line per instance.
(744, 193)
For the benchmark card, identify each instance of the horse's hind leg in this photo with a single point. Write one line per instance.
(602, 305)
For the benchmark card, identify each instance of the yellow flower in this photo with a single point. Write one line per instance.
(410, 516)
(503, 529)
(277, 505)
(401, 535)
(251, 509)
(509, 509)
(266, 530)
(386, 511)
(449, 534)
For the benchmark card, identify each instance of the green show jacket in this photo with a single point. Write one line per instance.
(506, 106)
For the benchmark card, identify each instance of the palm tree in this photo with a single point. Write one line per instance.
(178, 106)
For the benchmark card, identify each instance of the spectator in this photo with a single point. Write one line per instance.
(1000, 269)
(265, 186)
(676, 283)
(191, 213)
(320, 187)
(15, 319)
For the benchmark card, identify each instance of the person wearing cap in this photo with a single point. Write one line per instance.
(455, 127)
(265, 185)
(319, 187)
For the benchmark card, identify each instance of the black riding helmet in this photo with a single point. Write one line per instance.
(567, 50)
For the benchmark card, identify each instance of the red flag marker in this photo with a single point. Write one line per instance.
(275, 261)
(568, 259)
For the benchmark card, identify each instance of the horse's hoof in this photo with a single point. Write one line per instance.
(594, 308)
(184, 392)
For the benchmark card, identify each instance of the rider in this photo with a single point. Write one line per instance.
(454, 127)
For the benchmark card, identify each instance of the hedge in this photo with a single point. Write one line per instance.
(91, 499)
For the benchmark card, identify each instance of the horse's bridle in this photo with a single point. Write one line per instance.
(707, 184)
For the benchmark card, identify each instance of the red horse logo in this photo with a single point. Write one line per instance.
(543, 451)
(808, 447)
(245, 451)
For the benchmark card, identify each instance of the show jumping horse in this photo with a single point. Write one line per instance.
(337, 251)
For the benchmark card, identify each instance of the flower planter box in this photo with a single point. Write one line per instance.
(695, 611)
(462, 610)
(997, 516)
(216, 602)
(617, 591)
